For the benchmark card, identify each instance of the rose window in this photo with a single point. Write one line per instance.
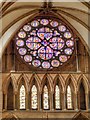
(45, 43)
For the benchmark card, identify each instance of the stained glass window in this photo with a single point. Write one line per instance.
(57, 97)
(45, 98)
(22, 97)
(34, 97)
(45, 42)
(69, 97)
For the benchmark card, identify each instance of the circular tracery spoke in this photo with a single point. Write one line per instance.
(45, 43)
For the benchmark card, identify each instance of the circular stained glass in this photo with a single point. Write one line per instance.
(55, 63)
(67, 35)
(22, 51)
(22, 34)
(63, 58)
(45, 42)
(27, 27)
(46, 65)
(44, 21)
(69, 43)
(35, 23)
(28, 58)
(20, 43)
(68, 51)
(62, 28)
(54, 23)
(36, 63)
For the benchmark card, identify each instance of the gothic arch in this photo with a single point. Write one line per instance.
(7, 82)
(71, 81)
(47, 78)
(24, 80)
(82, 79)
(35, 78)
(59, 79)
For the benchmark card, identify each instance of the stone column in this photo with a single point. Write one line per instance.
(18, 101)
(5, 101)
(87, 100)
(38, 101)
(63, 101)
(15, 101)
(51, 100)
(75, 101)
(27, 98)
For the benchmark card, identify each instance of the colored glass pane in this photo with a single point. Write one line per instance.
(44, 21)
(68, 51)
(22, 34)
(57, 97)
(27, 27)
(20, 43)
(22, 97)
(45, 43)
(34, 97)
(62, 28)
(69, 98)
(45, 98)
(22, 51)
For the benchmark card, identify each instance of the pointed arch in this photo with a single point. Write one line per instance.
(47, 79)
(58, 89)
(35, 80)
(72, 82)
(70, 89)
(22, 91)
(82, 91)
(58, 79)
(46, 89)
(22, 79)
(84, 80)
(7, 82)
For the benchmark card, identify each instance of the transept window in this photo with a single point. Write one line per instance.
(57, 97)
(45, 43)
(22, 97)
(34, 97)
(45, 98)
(69, 98)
